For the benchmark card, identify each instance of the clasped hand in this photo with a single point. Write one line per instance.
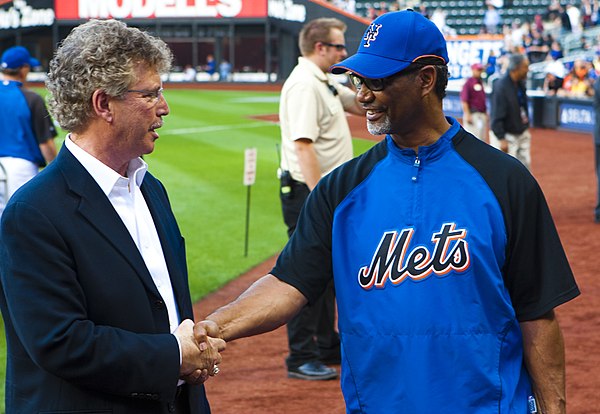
(200, 350)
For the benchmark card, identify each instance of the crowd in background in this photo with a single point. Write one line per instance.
(565, 74)
(539, 38)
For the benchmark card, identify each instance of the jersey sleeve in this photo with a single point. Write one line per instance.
(306, 261)
(538, 275)
(536, 272)
(43, 125)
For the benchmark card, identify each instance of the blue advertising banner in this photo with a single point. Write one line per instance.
(463, 51)
(452, 106)
(576, 116)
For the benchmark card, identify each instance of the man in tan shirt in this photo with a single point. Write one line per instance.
(315, 139)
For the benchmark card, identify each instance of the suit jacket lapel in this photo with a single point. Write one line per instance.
(98, 211)
(170, 239)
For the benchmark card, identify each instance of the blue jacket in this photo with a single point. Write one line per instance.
(436, 258)
(24, 123)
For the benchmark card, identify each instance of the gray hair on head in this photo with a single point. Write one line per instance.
(515, 61)
(99, 55)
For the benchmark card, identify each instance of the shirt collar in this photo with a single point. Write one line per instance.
(106, 177)
(431, 151)
(313, 68)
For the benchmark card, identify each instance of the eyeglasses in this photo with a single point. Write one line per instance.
(151, 95)
(379, 84)
(374, 85)
(338, 46)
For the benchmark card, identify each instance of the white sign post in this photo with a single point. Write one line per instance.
(250, 156)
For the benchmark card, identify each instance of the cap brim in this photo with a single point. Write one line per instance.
(34, 63)
(369, 66)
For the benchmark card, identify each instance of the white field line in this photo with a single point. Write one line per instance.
(213, 128)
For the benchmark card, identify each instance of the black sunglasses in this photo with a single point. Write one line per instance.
(338, 46)
(374, 85)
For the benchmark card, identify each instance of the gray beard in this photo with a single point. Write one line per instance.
(381, 128)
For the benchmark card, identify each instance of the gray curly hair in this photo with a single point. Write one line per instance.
(99, 54)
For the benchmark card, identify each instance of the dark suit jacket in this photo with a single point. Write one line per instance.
(505, 110)
(87, 330)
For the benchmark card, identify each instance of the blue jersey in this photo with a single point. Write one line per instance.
(436, 258)
(24, 123)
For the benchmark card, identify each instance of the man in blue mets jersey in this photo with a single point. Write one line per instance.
(445, 258)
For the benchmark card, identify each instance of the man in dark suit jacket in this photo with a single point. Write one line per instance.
(509, 118)
(95, 294)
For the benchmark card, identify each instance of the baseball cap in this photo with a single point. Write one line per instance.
(17, 56)
(392, 42)
(476, 66)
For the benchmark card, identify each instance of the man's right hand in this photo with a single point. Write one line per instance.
(198, 357)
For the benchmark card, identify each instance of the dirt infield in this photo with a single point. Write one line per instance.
(253, 377)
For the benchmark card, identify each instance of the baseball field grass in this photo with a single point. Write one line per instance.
(199, 157)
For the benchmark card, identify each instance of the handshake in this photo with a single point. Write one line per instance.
(200, 350)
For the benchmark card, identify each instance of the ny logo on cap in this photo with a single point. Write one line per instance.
(371, 34)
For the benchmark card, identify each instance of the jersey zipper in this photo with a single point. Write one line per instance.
(416, 166)
(415, 192)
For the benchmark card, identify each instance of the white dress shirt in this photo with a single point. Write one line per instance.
(125, 195)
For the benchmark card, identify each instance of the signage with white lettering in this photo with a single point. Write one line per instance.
(579, 117)
(150, 9)
(452, 106)
(22, 13)
(287, 10)
(463, 51)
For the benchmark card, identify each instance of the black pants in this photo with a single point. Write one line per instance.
(311, 333)
(181, 404)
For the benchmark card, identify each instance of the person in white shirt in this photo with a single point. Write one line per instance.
(315, 139)
(96, 303)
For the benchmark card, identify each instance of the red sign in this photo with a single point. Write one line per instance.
(156, 9)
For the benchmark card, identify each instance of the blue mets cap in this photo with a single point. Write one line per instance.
(17, 56)
(392, 42)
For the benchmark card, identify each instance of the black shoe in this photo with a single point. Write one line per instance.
(315, 371)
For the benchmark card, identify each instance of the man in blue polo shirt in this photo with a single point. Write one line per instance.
(446, 262)
(26, 129)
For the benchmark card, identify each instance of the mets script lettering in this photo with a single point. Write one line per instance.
(392, 261)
